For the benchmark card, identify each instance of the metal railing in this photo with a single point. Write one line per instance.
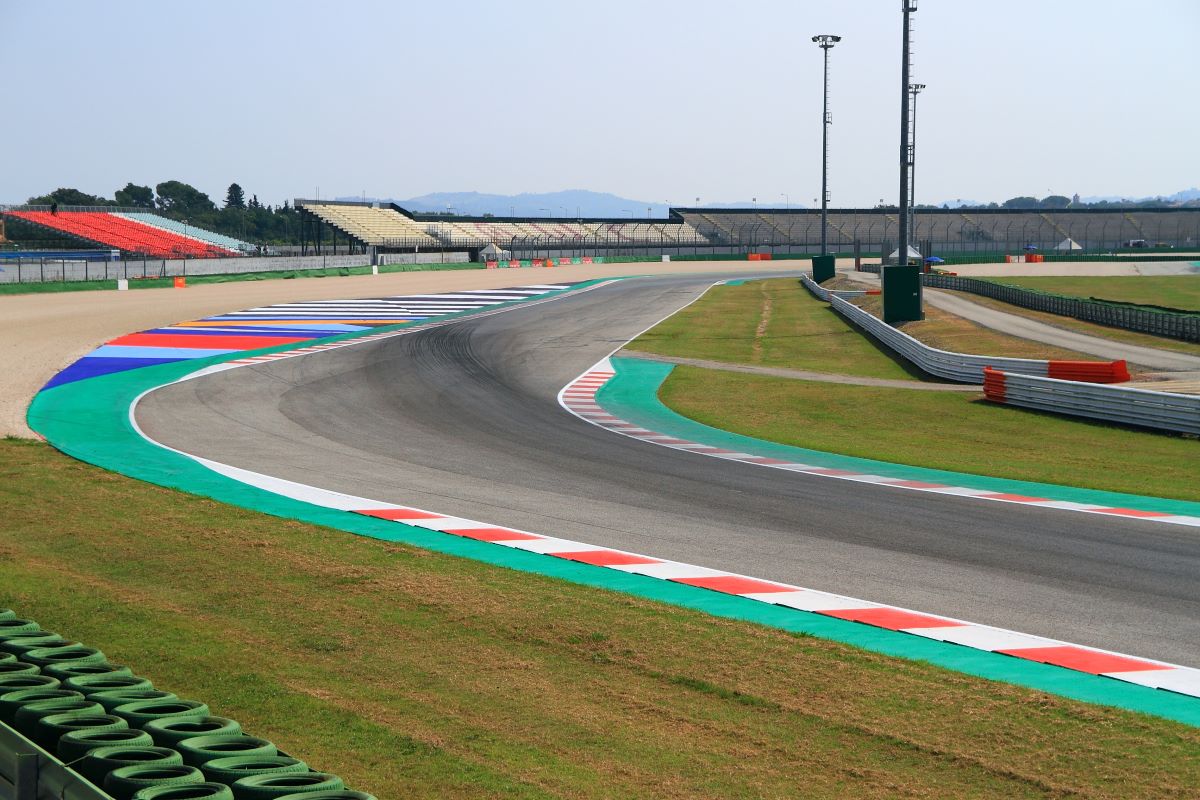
(1141, 407)
(961, 367)
(27, 772)
(1182, 326)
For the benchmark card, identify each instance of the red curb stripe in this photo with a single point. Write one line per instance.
(1083, 660)
(916, 485)
(894, 619)
(492, 534)
(765, 460)
(398, 514)
(734, 584)
(832, 472)
(1131, 512)
(1013, 498)
(605, 558)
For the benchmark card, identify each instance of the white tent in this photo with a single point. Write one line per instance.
(1068, 244)
(912, 253)
(491, 252)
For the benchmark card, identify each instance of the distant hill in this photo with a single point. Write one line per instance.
(568, 204)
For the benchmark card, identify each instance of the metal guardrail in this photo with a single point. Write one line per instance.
(961, 367)
(1185, 327)
(824, 294)
(27, 772)
(1142, 407)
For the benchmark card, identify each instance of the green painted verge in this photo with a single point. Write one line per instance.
(89, 420)
(633, 395)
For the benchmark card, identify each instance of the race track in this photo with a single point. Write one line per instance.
(463, 419)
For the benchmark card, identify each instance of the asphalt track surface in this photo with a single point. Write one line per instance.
(463, 420)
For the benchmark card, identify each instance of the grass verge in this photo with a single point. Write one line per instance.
(950, 332)
(1079, 326)
(1171, 291)
(939, 430)
(772, 323)
(414, 674)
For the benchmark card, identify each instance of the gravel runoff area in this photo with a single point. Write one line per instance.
(41, 334)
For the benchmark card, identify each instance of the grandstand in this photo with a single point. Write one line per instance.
(390, 227)
(950, 230)
(135, 234)
(215, 239)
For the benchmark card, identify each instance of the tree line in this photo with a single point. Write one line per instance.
(248, 220)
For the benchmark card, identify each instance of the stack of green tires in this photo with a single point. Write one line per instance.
(133, 740)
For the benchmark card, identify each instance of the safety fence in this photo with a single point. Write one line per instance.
(1142, 407)
(965, 367)
(1182, 326)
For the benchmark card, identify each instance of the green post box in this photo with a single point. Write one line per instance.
(901, 293)
(822, 268)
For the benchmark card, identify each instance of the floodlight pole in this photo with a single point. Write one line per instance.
(826, 42)
(906, 155)
(914, 89)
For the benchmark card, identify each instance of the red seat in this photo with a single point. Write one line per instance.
(123, 234)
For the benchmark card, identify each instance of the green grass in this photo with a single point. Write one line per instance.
(946, 431)
(773, 323)
(1172, 291)
(415, 674)
(1079, 326)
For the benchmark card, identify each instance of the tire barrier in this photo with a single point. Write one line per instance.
(139, 712)
(72, 708)
(26, 717)
(272, 787)
(122, 783)
(231, 769)
(167, 732)
(120, 697)
(1161, 410)
(65, 671)
(91, 684)
(199, 750)
(77, 744)
(51, 728)
(102, 760)
(19, 669)
(191, 791)
(11, 701)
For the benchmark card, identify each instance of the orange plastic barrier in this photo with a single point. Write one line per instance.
(752, 257)
(493, 264)
(1089, 371)
(993, 384)
(180, 282)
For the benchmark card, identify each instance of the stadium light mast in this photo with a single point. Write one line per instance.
(908, 6)
(914, 89)
(825, 41)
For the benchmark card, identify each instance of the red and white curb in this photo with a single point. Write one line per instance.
(579, 397)
(1141, 671)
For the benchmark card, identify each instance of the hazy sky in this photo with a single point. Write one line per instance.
(653, 100)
